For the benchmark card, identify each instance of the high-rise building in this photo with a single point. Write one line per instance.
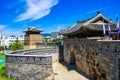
(55, 34)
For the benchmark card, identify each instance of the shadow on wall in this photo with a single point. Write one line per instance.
(72, 58)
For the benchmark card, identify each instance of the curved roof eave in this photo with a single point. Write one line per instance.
(75, 28)
(85, 23)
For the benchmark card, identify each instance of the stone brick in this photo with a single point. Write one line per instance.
(98, 59)
(28, 67)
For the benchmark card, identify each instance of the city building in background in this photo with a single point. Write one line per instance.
(7, 40)
(46, 37)
(55, 35)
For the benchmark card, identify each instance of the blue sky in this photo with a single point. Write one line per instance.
(51, 15)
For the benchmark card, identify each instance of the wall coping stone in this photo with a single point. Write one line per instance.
(29, 55)
(108, 40)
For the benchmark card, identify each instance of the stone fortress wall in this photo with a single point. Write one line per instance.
(98, 59)
(53, 47)
(34, 64)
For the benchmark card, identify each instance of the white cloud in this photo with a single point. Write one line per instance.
(59, 27)
(10, 31)
(36, 9)
(100, 9)
(2, 27)
(5, 30)
(92, 11)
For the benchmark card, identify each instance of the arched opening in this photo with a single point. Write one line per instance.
(72, 58)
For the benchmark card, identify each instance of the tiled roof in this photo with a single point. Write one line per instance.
(33, 29)
(73, 28)
(89, 24)
(99, 15)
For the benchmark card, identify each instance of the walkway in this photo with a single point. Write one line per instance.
(62, 73)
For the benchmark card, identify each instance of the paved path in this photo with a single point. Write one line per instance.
(61, 73)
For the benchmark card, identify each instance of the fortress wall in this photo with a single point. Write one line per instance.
(98, 59)
(28, 67)
(54, 50)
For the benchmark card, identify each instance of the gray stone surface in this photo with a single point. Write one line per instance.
(98, 59)
(28, 66)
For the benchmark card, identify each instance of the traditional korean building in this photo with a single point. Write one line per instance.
(92, 27)
(32, 36)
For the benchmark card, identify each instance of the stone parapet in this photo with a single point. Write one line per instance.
(28, 66)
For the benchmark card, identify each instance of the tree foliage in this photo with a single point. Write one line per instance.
(1, 48)
(56, 40)
(17, 45)
(65, 37)
(46, 40)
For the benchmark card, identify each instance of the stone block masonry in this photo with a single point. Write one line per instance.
(28, 67)
(98, 59)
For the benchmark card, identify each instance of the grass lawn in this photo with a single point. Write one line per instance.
(2, 70)
(2, 55)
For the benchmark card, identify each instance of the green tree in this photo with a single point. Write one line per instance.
(46, 40)
(1, 48)
(17, 45)
(56, 40)
(65, 37)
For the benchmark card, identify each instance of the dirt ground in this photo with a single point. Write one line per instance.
(62, 73)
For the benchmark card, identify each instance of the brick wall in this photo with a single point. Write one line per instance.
(31, 40)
